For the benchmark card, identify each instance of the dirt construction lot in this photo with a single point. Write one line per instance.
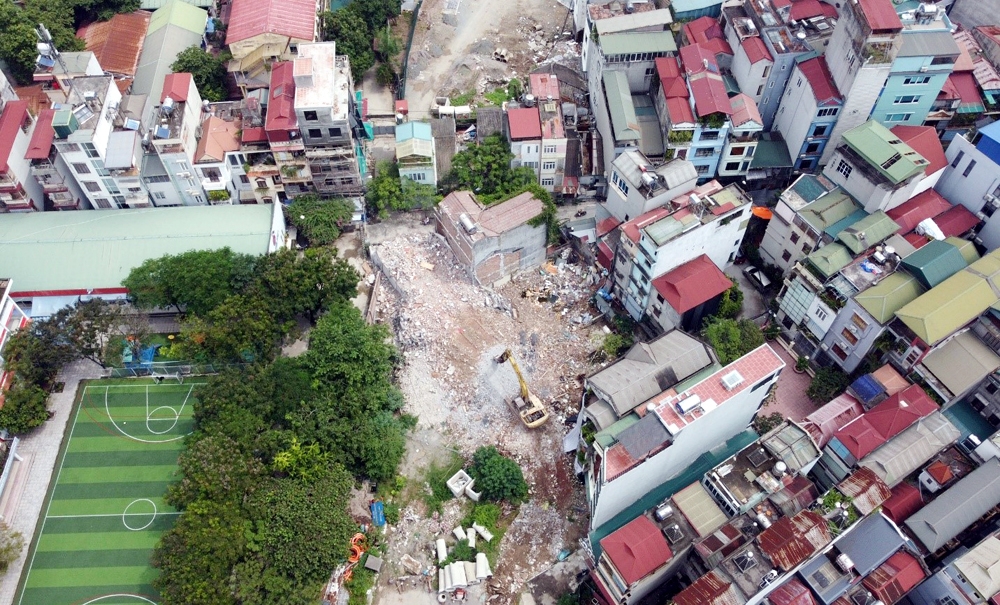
(449, 333)
(453, 46)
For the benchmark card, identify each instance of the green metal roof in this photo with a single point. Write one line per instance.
(623, 121)
(46, 251)
(893, 158)
(637, 42)
(809, 187)
(149, 5)
(178, 12)
(667, 228)
(954, 302)
(771, 154)
(935, 262)
(845, 222)
(829, 209)
(830, 258)
(867, 232)
(967, 248)
(889, 295)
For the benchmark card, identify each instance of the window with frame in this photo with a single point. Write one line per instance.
(798, 84)
(760, 90)
(767, 70)
(261, 183)
(820, 314)
(820, 131)
(845, 169)
(620, 183)
(102, 203)
(828, 111)
(315, 133)
(786, 256)
(859, 322)
(851, 338)
(549, 149)
(709, 135)
(92, 186)
(958, 159)
(81, 168)
(837, 350)
(812, 148)
(68, 147)
(336, 133)
(160, 178)
(898, 117)
(704, 153)
(310, 116)
(732, 166)
(916, 80)
(233, 160)
(701, 169)
(90, 150)
(739, 150)
(417, 176)
(159, 195)
(650, 71)
(794, 238)
(968, 169)
(244, 179)
(906, 100)
(549, 182)
(548, 165)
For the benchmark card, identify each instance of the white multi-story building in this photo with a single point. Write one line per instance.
(552, 158)
(19, 192)
(638, 187)
(174, 128)
(524, 133)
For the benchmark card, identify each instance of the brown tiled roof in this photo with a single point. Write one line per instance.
(36, 98)
(117, 43)
(217, 137)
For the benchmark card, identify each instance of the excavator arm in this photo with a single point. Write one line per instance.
(509, 358)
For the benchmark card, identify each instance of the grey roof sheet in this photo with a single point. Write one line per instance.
(928, 44)
(159, 51)
(489, 120)
(958, 507)
(911, 449)
(649, 368)
(643, 436)
(933, 591)
(122, 147)
(870, 543)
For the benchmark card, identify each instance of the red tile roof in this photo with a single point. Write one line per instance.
(14, 115)
(679, 110)
(792, 592)
(792, 540)
(948, 91)
(965, 84)
(177, 87)
(905, 501)
(637, 549)
(817, 72)
(607, 226)
(866, 490)
(709, 94)
(927, 204)
(696, 58)
(605, 255)
(886, 420)
(524, 123)
(254, 135)
(710, 589)
(281, 106)
(702, 29)
(806, 9)
(666, 67)
(692, 284)
(36, 98)
(881, 15)
(956, 221)
(117, 42)
(829, 10)
(218, 136)
(916, 240)
(717, 46)
(41, 138)
(896, 577)
(924, 140)
(756, 50)
(292, 18)
(744, 111)
(940, 472)
(670, 78)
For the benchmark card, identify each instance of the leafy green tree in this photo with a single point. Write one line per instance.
(765, 423)
(731, 302)
(212, 468)
(385, 75)
(388, 45)
(827, 384)
(196, 281)
(307, 285)
(384, 192)
(208, 71)
(23, 408)
(305, 462)
(17, 44)
(240, 329)
(485, 170)
(11, 545)
(36, 352)
(418, 196)
(732, 339)
(348, 29)
(376, 13)
(197, 555)
(102, 10)
(322, 221)
(497, 477)
(301, 530)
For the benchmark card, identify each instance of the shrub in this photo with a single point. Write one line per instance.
(463, 552)
(498, 477)
(24, 408)
(827, 384)
(486, 515)
(731, 303)
(391, 513)
(11, 545)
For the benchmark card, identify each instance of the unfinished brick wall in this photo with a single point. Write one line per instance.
(498, 267)
(460, 245)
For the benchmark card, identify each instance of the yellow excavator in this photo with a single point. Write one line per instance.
(529, 407)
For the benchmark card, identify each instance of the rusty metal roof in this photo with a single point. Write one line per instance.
(713, 588)
(866, 490)
(792, 540)
(117, 42)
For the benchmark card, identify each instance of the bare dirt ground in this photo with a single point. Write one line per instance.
(449, 331)
(447, 60)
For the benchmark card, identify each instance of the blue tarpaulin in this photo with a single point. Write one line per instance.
(378, 513)
(867, 390)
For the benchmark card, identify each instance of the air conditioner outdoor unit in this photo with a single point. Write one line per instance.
(990, 198)
(981, 216)
(923, 69)
(184, 175)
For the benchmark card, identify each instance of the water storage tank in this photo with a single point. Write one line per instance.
(528, 100)
(663, 512)
(844, 563)
(467, 223)
(167, 107)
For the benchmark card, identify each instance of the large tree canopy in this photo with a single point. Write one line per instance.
(208, 71)
(195, 281)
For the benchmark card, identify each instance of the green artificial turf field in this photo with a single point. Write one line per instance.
(106, 512)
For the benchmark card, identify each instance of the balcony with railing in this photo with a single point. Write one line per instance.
(63, 200)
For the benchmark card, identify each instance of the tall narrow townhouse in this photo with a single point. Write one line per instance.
(925, 59)
(768, 37)
(741, 142)
(19, 191)
(524, 134)
(62, 192)
(972, 179)
(174, 127)
(263, 32)
(712, 109)
(329, 118)
(216, 159)
(860, 55)
(552, 160)
(808, 112)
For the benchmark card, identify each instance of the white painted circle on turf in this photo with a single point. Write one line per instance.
(151, 417)
(126, 514)
(118, 427)
(139, 598)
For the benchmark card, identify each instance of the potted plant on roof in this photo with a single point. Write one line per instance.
(801, 364)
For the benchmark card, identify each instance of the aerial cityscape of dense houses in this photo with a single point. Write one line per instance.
(852, 146)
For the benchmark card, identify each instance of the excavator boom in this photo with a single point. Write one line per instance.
(531, 410)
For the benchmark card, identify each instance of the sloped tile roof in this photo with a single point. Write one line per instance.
(709, 94)
(817, 72)
(217, 137)
(884, 421)
(712, 588)
(745, 111)
(792, 592)
(691, 284)
(176, 86)
(117, 42)
(866, 490)
(637, 549)
(755, 49)
(927, 204)
(524, 123)
(905, 501)
(896, 577)
(292, 18)
(924, 140)
(956, 221)
(41, 138)
(792, 540)
(14, 115)
(881, 15)
(281, 106)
